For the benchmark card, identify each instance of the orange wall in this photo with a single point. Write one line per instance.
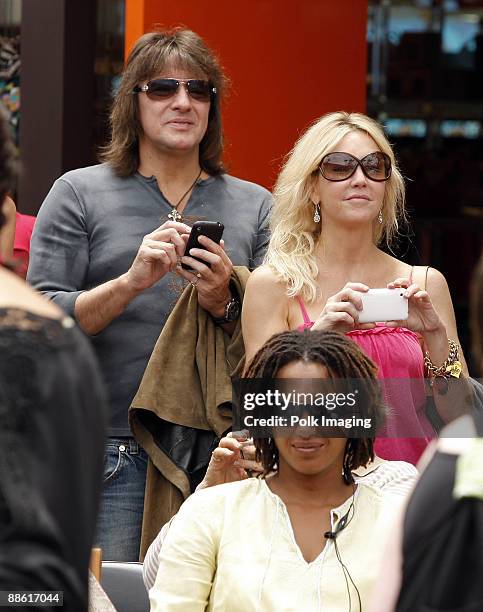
(289, 62)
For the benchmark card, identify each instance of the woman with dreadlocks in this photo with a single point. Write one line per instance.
(301, 536)
(338, 198)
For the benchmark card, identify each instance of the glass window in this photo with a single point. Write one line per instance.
(425, 85)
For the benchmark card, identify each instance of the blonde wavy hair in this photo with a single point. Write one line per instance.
(294, 234)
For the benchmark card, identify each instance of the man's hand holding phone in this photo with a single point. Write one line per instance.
(210, 273)
(158, 254)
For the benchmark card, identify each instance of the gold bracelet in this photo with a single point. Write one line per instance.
(451, 367)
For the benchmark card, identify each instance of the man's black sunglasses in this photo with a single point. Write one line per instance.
(198, 89)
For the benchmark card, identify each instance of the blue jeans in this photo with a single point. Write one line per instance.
(121, 510)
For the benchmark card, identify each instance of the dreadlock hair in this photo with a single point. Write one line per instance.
(344, 359)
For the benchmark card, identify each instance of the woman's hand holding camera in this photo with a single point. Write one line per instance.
(341, 311)
(422, 316)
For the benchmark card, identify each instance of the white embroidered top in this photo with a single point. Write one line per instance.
(232, 547)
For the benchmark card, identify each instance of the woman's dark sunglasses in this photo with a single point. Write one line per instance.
(198, 89)
(341, 166)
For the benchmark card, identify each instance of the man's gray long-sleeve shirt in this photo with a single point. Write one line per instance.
(89, 230)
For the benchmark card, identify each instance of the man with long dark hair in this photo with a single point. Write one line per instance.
(107, 236)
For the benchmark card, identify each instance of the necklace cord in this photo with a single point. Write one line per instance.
(188, 190)
(174, 215)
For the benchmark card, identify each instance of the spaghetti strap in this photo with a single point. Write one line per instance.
(426, 278)
(307, 321)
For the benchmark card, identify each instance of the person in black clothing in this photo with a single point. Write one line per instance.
(52, 427)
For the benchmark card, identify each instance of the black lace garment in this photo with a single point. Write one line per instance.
(52, 419)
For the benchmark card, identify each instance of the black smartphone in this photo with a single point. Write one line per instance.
(211, 229)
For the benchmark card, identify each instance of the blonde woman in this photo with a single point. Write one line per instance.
(339, 196)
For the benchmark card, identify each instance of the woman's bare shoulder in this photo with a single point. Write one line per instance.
(397, 268)
(15, 293)
(430, 279)
(435, 279)
(265, 279)
(9, 208)
(424, 276)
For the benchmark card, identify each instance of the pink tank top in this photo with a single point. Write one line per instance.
(397, 353)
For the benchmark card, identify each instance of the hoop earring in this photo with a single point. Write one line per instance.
(316, 213)
(379, 216)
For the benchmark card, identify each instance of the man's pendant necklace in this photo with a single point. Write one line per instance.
(174, 215)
